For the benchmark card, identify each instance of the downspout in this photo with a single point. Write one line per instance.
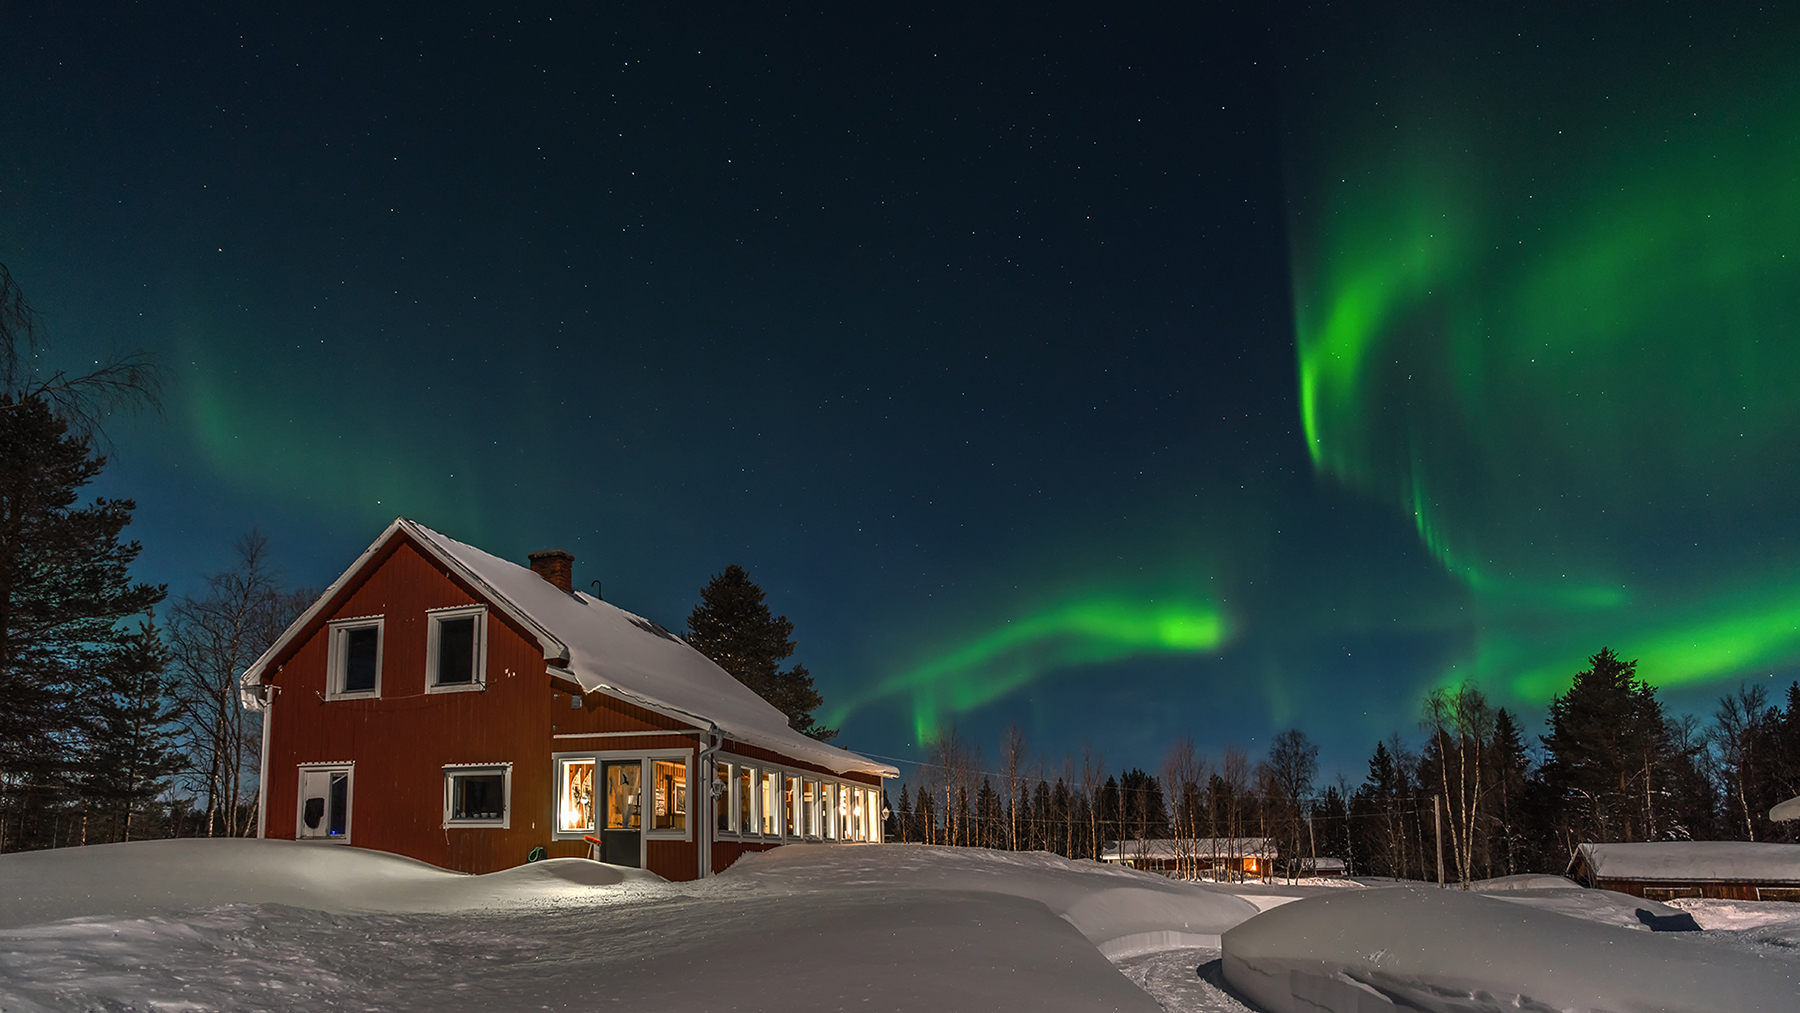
(262, 770)
(705, 817)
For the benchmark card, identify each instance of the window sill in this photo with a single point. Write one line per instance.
(361, 694)
(458, 687)
(476, 824)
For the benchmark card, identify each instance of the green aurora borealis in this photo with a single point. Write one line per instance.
(1549, 307)
(1119, 374)
(1092, 631)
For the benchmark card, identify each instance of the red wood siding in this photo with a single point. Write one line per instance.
(401, 741)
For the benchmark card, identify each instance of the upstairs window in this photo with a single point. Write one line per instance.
(354, 666)
(456, 652)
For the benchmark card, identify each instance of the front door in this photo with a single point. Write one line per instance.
(622, 836)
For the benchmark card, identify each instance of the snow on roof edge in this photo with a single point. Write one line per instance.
(764, 726)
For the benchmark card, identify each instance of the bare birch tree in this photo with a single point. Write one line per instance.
(212, 640)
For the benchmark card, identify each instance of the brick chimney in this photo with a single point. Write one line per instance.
(556, 566)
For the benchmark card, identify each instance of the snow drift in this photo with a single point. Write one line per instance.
(1447, 950)
(245, 925)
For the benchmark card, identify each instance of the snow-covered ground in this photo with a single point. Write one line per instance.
(248, 925)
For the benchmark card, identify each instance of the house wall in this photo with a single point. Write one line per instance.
(1714, 889)
(401, 740)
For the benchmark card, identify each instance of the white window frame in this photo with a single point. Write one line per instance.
(302, 769)
(338, 645)
(433, 618)
(648, 770)
(454, 770)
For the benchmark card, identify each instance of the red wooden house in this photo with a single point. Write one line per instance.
(443, 703)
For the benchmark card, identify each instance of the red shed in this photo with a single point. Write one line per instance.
(445, 704)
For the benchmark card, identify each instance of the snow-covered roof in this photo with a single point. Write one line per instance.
(1686, 861)
(607, 649)
(1789, 810)
(1200, 847)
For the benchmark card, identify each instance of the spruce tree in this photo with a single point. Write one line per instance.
(733, 626)
(131, 750)
(1603, 751)
(65, 589)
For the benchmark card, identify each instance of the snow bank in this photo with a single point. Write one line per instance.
(159, 877)
(1447, 950)
(246, 925)
(1121, 911)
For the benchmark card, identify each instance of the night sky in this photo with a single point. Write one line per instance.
(1122, 374)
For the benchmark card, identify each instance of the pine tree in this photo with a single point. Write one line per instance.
(132, 750)
(65, 588)
(733, 626)
(1607, 736)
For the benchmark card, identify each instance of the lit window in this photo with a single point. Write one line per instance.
(324, 813)
(828, 811)
(795, 829)
(809, 807)
(354, 665)
(475, 796)
(456, 651)
(872, 815)
(624, 796)
(722, 803)
(575, 809)
(845, 831)
(770, 804)
(746, 793)
(856, 816)
(668, 809)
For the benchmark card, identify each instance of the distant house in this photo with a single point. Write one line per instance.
(1229, 858)
(443, 703)
(1665, 870)
(1323, 867)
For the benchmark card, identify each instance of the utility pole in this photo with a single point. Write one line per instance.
(1437, 831)
(1312, 841)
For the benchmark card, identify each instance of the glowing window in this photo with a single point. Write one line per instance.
(722, 802)
(809, 807)
(746, 783)
(771, 805)
(624, 796)
(575, 808)
(828, 823)
(668, 807)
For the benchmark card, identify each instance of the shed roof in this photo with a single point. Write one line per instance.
(1693, 861)
(604, 648)
(1202, 847)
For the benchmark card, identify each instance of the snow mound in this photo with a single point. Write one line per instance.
(1604, 906)
(269, 925)
(156, 877)
(1447, 950)
(1121, 911)
(1526, 881)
